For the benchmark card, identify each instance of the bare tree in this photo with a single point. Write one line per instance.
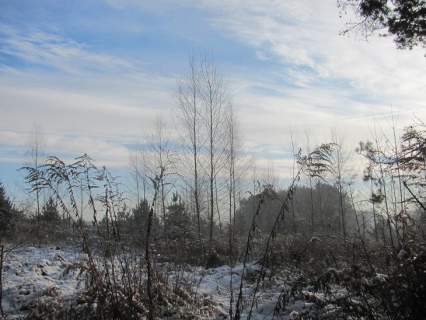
(36, 143)
(293, 168)
(189, 107)
(380, 154)
(311, 176)
(137, 163)
(327, 162)
(161, 158)
(232, 192)
(214, 102)
(338, 167)
(157, 181)
(232, 166)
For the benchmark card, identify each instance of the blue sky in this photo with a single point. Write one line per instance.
(94, 75)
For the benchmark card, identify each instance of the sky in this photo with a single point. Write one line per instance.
(94, 76)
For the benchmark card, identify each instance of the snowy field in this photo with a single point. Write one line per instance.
(33, 275)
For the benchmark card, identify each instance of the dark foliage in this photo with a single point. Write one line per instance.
(8, 214)
(49, 212)
(403, 19)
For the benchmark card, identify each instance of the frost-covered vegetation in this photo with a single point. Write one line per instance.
(311, 251)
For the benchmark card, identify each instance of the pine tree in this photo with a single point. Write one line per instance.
(6, 212)
(49, 212)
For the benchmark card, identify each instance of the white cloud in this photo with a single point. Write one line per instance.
(341, 83)
(55, 51)
(306, 33)
(93, 113)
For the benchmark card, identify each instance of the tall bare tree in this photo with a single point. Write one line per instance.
(310, 177)
(189, 106)
(36, 144)
(161, 158)
(214, 102)
(137, 171)
(232, 158)
(293, 169)
(338, 168)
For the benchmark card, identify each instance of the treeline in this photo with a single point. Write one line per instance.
(197, 184)
(322, 203)
(22, 226)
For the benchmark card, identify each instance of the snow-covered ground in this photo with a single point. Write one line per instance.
(32, 274)
(216, 283)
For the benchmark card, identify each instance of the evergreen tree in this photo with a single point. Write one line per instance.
(6, 212)
(5, 202)
(49, 212)
(178, 222)
(403, 19)
(139, 220)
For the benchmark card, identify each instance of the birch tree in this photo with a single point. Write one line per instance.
(189, 102)
(214, 103)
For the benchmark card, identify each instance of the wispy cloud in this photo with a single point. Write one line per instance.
(54, 51)
(304, 76)
(305, 35)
